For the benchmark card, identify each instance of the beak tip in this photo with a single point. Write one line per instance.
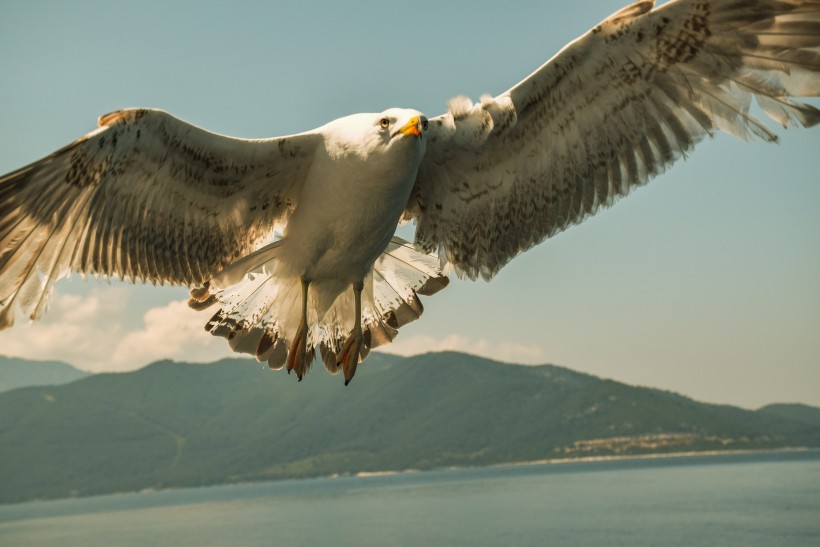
(412, 127)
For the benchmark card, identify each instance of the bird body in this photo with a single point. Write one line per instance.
(356, 165)
(149, 197)
(361, 174)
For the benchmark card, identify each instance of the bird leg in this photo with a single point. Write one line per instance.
(297, 356)
(349, 355)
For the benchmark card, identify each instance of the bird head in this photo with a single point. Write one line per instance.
(407, 123)
(397, 125)
(401, 130)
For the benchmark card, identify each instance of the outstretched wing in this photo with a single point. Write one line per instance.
(610, 111)
(146, 197)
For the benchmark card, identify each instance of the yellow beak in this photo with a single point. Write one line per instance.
(412, 128)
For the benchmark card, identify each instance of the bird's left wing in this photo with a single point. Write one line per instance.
(146, 197)
(610, 111)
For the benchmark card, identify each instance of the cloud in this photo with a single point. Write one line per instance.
(507, 352)
(173, 331)
(87, 331)
(77, 329)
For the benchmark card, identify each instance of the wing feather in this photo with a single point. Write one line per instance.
(146, 197)
(610, 111)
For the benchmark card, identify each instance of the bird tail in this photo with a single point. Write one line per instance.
(260, 307)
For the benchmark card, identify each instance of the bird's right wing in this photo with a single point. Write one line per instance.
(610, 111)
(146, 197)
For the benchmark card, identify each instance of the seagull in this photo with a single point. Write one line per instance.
(292, 238)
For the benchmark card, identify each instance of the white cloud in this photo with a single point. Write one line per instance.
(173, 331)
(507, 352)
(87, 331)
(78, 330)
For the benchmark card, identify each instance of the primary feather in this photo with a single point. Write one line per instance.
(613, 109)
(146, 197)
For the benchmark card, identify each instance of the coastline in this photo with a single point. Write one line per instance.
(583, 459)
(367, 475)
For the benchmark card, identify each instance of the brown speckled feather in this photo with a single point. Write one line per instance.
(610, 111)
(145, 197)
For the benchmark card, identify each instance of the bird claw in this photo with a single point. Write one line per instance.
(298, 352)
(350, 352)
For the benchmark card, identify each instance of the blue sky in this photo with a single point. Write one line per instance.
(705, 282)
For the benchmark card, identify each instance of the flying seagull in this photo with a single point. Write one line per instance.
(291, 239)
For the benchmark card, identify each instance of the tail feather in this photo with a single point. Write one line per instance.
(252, 263)
(260, 309)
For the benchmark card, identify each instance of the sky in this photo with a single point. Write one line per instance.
(706, 282)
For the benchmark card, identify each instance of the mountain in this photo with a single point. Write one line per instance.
(173, 425)
(16, 373)
(801, 413)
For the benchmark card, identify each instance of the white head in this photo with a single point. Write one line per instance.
(395, 131)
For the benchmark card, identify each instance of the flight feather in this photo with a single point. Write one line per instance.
(146, 197)
(606, 114)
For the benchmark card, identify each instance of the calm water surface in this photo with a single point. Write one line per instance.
(758, 499)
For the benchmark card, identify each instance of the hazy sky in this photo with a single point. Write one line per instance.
(706, 282)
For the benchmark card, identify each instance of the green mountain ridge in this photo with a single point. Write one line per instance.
(16, 372)
(794, 411)
(175, 425)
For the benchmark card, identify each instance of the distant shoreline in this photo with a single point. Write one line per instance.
(583, 459)
(660, 455)
(377, 474)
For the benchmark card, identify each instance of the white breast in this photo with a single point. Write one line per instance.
(350, 205)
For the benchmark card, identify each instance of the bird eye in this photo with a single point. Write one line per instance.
(384, 123)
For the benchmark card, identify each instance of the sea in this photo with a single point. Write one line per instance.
(764, 498)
